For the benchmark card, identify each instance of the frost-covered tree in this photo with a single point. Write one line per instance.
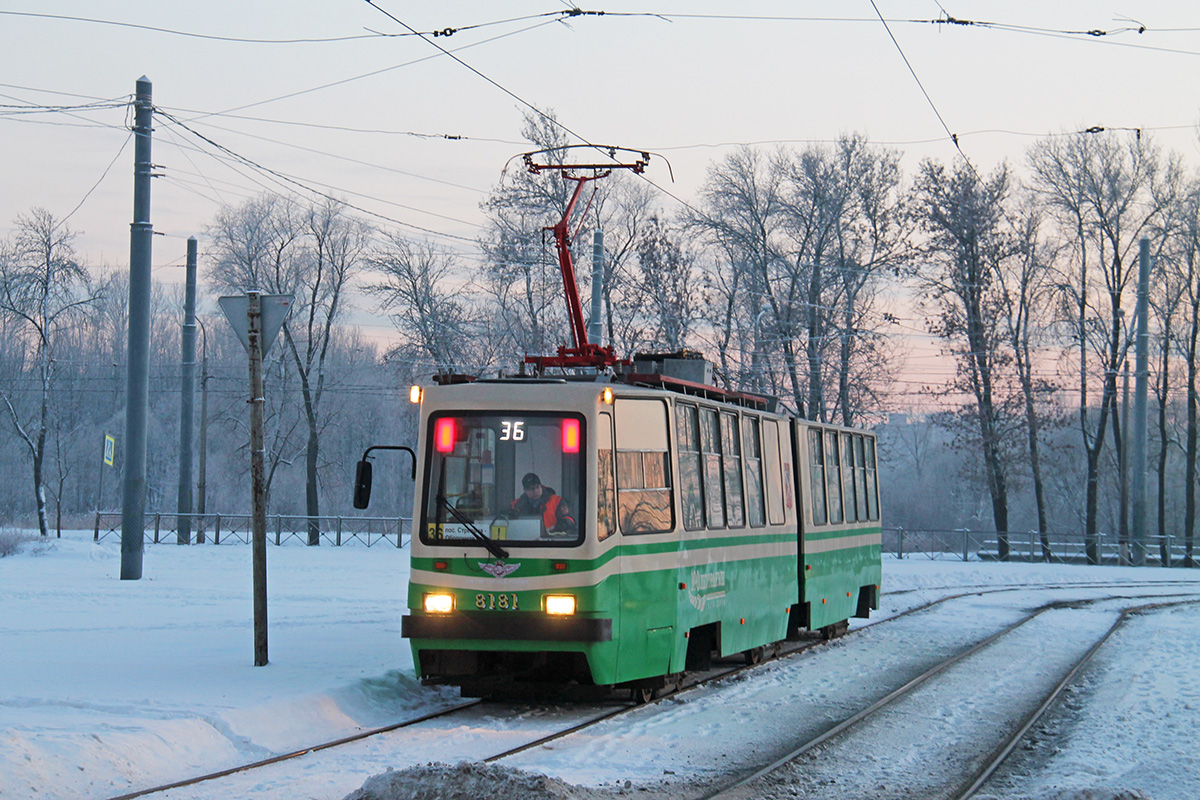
(959, 270)
(44, 293)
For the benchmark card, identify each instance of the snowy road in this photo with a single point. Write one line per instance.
(107, 687)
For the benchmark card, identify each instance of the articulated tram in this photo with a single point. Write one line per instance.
(698, 523)
(612, 523)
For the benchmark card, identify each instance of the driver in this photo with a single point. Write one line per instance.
(539, 500)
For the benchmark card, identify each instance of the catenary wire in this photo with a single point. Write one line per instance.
(534, 108)
(303, 186)
(372, 73)
(104, 175)
(191, 34)
(349, 160)
(453, 137)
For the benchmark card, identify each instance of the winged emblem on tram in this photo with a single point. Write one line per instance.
(499, 569)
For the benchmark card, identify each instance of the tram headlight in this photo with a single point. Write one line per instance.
(560, 604)
(414, 394)
(438, 603)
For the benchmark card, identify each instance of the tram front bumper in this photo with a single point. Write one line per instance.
(512, 626)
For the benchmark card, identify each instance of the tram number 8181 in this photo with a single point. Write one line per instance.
(490, 601)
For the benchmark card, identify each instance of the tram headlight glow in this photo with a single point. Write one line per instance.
(414, 394)
(560, 605)
(438, 603)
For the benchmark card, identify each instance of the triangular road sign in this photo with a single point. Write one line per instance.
(275, 308)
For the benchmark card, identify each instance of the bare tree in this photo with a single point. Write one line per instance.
(312, 254)
(1189, 345)
(740, 207)
(422, 290)
(43, 291)
(521, 273)
(336, 244)
(872, 244)
(1025, 285)
(666, 284)
(624, 207)
(805, 240)
(1107, 194)
(961, 214)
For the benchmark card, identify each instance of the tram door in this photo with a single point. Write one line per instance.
(645, 518)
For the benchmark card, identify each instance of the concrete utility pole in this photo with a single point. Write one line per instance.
(202, 485)
(596, 323)
(1123, 540)
(183, 508)
(1140, 402)
(137, 384)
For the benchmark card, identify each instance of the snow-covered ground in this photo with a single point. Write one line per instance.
(109, 686)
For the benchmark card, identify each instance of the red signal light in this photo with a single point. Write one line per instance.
(444, 435)
(570, 436)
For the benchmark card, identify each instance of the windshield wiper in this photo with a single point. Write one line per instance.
(492, 547)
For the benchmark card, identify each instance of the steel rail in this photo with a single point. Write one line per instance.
(851, 721)
(297, 753)
(704, 680)
(980, 777)
(1004, 751)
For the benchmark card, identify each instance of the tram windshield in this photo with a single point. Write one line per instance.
(509, 479)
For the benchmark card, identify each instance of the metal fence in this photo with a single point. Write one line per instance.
(282, 529)
(1075, 548)
(960, 544)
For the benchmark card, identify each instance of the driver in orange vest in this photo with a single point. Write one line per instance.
(539, 500)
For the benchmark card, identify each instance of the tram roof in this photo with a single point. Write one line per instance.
(651, 381)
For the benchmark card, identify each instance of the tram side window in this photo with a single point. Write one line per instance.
(643, 471)
(848, 493)
(833, 477)
(752, 450)
(860, 478)
(816, 465)
(691, 493)
(710, 447)
(872, 486)
(606, 489)
(774, 473)
(731, 449)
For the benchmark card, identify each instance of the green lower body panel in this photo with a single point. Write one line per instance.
(634, 625)
(838, 582)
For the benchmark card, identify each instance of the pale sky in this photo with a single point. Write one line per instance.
(683, 86)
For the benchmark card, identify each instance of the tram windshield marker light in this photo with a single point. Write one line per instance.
(444, 435)
(438, 603)
(607, 396)
(561, 605)
(414, 394)
(570, 436)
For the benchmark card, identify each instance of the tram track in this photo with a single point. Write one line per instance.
(720, 673)
(709, 677)
(327, 745)
(752, 784)
(979, 779)
(797, 648)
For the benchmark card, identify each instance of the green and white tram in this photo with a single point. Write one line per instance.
(683, 521)
(701, 524)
